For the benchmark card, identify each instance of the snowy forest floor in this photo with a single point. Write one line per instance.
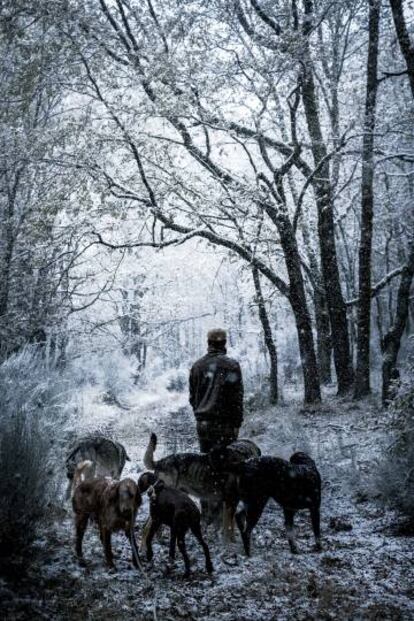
(363, 573)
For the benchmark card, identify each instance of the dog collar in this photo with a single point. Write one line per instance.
(153, 488)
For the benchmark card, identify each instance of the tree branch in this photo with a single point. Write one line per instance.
(380, 284)
(266, 18)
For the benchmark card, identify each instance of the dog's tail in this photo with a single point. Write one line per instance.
(149, 453)
(83, 471)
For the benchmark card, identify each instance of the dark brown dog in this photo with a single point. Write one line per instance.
(113, 504)
(175, 509)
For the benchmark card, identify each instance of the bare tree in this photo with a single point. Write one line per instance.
(362, 378)
(406, 46)
(260, 132)
(392, 339)
(266, 193)
(324, 198)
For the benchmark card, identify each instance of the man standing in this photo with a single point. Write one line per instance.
(216, 394)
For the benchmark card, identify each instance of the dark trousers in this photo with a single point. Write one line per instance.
(210, 435)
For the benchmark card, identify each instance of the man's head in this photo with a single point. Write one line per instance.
(217, 338)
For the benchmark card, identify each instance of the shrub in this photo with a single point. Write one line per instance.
(28, 423)
(395, 479)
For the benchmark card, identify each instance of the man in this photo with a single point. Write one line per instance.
(216, 394)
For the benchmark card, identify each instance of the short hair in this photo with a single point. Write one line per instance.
(217, 335)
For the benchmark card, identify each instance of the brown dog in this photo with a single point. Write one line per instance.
(113, 504)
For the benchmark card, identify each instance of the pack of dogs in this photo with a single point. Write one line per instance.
(237, 479)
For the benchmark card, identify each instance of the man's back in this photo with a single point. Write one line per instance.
(216, 388)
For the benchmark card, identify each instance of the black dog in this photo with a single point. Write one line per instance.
(175, 509)
(293, 484)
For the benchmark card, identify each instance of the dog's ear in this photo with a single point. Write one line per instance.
(143, 483)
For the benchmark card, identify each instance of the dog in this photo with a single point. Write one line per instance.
(107, 456)
(293, 484)
(195, 474)
(175, 509)
(113, 504)
(84, 471)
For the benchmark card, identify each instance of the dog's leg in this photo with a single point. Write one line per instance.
(229, 509)
(226, 524)
(130, 535)
(248, 518)
(106, 536)
(232, 506)
(205, 516)
(81, 522)
(183, 550)
(290, 530)
(241, 520)
(101, 536)
(145, 531)
(196, 530)
(152, 530)
(211, 513)
(173, 539)
(315, 518)
(68, 493)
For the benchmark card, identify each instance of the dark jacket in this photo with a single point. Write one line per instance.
(216, 388)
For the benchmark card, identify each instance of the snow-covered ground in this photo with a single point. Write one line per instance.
(363, 573)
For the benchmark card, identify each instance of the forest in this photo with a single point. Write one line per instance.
(173, 166)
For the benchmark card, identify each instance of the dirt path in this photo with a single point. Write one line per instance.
(364, 573)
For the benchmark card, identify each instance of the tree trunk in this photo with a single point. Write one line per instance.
(306, 342)
(362, 377)
(406, 46)
(323, 337)
(298, 301)
(268, 336)
(334, 297)
(323, 328)
(323, 193)
(392, 339)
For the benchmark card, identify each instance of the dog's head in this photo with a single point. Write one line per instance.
(127, 496)
(145, 481)
(149, 482)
